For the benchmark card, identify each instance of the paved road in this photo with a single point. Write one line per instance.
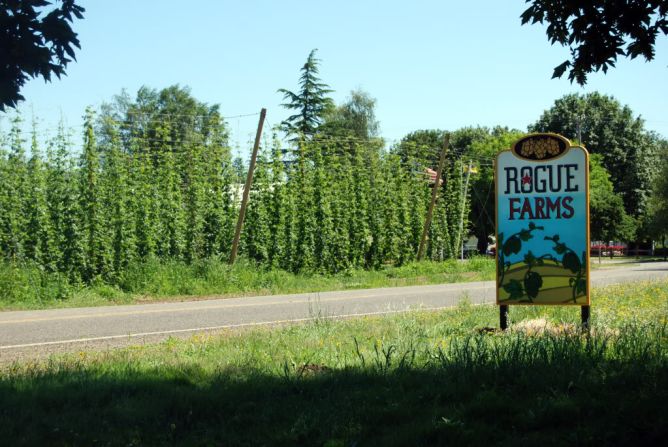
(66, 329)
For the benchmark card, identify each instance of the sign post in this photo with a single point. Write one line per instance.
(542, 224)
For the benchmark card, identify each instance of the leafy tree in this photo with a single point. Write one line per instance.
(142, 117)
(311, 102)
(421, 147)
(658, 211)
(481, 187)
(610, 129)
(180, 168)
(355, 118)
(34, 41)
(424, 146)
(608, 219)
(479, 145)
(599, 31)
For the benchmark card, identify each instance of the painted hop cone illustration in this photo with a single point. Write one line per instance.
(539, 148)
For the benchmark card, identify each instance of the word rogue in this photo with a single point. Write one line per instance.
(541, 179)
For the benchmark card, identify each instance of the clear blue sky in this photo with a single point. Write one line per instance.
(429, 64)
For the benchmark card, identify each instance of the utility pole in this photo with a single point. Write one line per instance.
(434, 194)
(247, 187)
(581, 118)
(461, 218)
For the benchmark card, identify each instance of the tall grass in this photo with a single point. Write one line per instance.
(28, 286)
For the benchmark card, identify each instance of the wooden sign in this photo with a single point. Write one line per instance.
(542, 222)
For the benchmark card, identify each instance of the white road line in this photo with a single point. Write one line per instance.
(213, 328)
(220, 306)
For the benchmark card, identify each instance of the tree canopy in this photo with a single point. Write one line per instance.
(476, 145)
(608, 219)
(629, 151)
(190, 120)
(354, 118)
(597, 32)
(34, 41)
(657, 222)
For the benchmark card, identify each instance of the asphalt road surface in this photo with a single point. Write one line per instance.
(58, 330)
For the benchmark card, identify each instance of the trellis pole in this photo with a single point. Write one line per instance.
(434, 194)
(247, 187)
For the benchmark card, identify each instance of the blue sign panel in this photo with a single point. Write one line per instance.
(542, 215)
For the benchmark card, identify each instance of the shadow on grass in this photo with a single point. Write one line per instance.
(472, 398)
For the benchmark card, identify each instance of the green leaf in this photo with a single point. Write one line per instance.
(560, 69)
(529, 258)
(560, 248)
(512, 245)
(525, 235)
(514, 288)
(532, 283)
(571, 262)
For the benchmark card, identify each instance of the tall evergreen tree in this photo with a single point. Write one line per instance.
(310, 102)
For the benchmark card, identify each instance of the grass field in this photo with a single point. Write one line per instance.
(25, 287)
(419, 378)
